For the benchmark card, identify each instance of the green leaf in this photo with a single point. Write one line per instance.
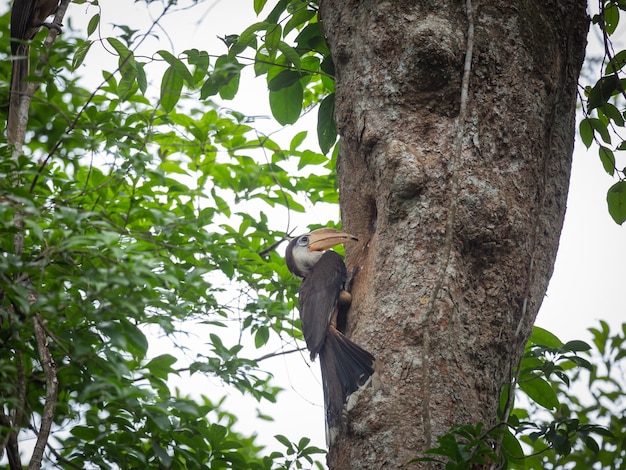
(290, 54)
(177, 65)
(261, 336)
(86, 433)
(272, 38)
(171, 87)
(299, 17)
(543, 337)
(611, 18)
(127, 67)
(326, 126)
(129, 74)
(262, 64)
(600, 337)
(613, 113)
(119, 47)
(311, 39)
(226, 69)
(601, 128)
(277, 11)
(576, 346)
(80, 53)
(137, 341)
(308, 157)
(512, 447)
(586, 132)
(286, 103)
(580, 362)
(591, 444)
(230, 88)
(161, 366)
(608, 159)
(284, 79)
(247, 38)
(164, 458)
(297, 140)
(603, 90)
(258, 5)
(616, 200)
(94, 22)
(199, 59)
(618, 62)
(541, 392)
(142, 80)
(283, 440)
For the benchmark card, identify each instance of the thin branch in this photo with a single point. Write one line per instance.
(9, 443)
(445, 260)
(21, 390)
(508, 407)
(52, 390)
(55, 452)
(273, 246)
(277, 353)
(66, 463)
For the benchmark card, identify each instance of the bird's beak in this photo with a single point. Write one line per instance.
(324, 238)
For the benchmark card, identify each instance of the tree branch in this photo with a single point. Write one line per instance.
(277, 353)
(52, 390)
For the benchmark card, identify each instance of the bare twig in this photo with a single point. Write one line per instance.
(273, 246)
(277, 353)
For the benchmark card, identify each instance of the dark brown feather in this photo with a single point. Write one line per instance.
(345, 367)
(319, 294)
(27, 18)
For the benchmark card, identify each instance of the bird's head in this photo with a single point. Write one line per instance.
(304, 251)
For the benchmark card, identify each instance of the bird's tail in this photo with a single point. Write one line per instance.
(345, 367)
(18, 74)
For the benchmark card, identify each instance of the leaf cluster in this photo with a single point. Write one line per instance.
(604, 106)
(142, 232)
(558, 424)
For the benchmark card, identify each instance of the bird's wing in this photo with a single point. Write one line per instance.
(318, 298)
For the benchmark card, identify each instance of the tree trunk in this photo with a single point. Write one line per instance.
(456, 247)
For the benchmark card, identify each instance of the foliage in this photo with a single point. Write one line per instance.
(558, 425)
(604, 106)
(123, 223)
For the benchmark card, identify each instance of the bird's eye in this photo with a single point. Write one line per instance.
(303, 241)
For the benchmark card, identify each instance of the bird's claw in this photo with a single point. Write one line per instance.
(58, 27)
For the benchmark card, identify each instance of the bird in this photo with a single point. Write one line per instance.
(345, 366)
(27, 18)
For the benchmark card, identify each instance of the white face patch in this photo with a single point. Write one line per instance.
(304, 258)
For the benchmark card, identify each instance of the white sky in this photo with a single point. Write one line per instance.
(587, 284)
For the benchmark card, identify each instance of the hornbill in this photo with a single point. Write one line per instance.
(27, 18)
(345, 366)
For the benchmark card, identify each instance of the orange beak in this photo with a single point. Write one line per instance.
(324, 238)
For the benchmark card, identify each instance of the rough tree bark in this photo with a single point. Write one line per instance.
(456, 250)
